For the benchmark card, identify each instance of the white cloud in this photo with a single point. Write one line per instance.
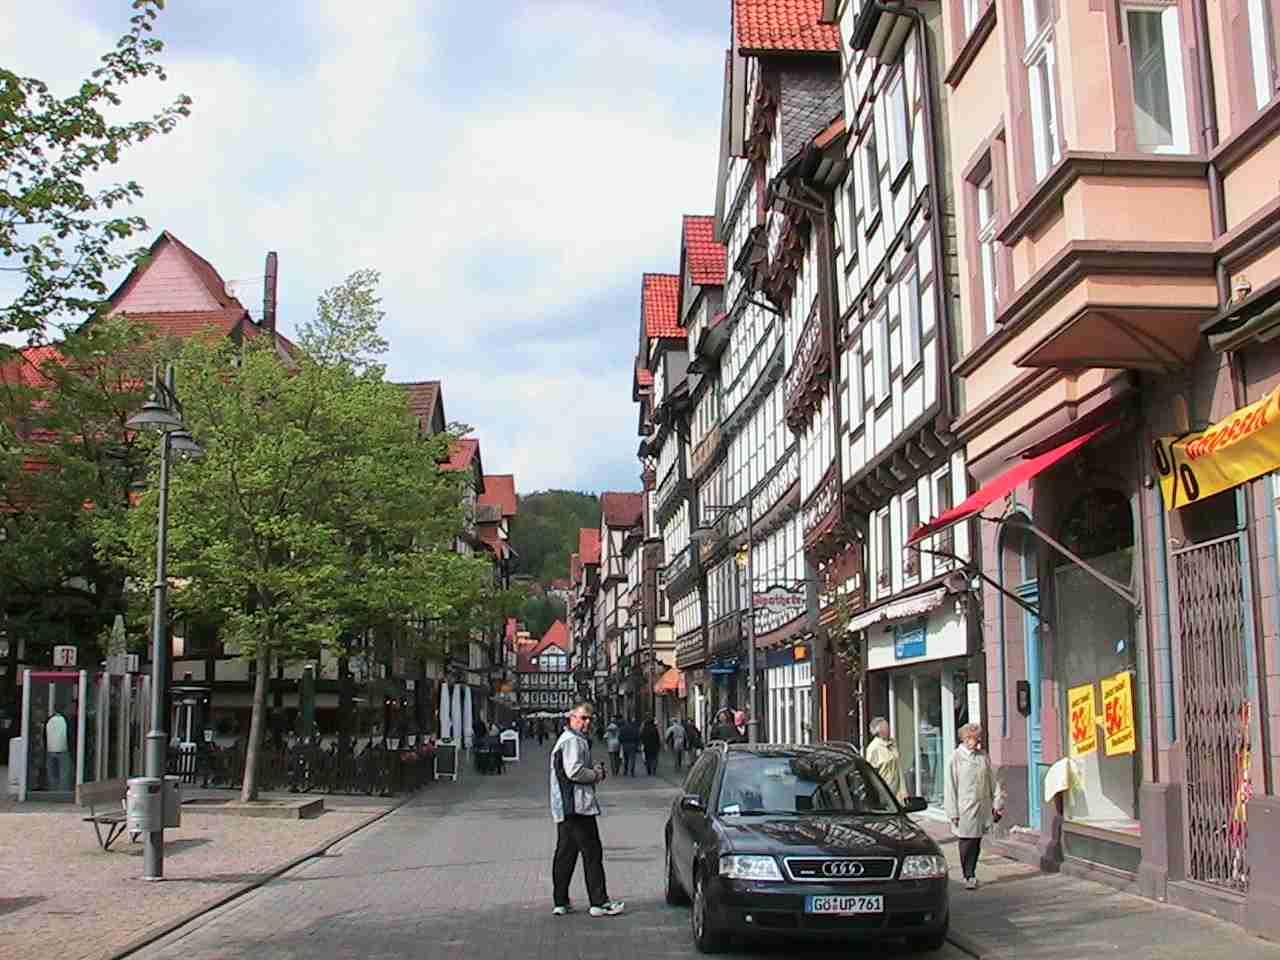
(508, 209)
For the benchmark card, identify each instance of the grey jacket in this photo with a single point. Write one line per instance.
(573, 779)
(971, 792)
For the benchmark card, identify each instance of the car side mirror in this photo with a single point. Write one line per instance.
(693, 803)
(915, 804)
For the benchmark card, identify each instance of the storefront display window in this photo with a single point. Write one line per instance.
(1095, 647)
(790, 691)
(927, 705)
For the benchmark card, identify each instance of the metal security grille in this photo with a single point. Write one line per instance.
(1213, 628)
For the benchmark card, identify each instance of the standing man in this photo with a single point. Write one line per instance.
(574, 809)
(882, 753)
(630, 737)
(676, 741)
(651, 740)
(57, 751)
(973, 797)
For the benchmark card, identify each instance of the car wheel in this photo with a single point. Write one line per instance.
(705, 937)
(934, 941)
(675, 895)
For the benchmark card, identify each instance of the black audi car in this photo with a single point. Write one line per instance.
(801, 841)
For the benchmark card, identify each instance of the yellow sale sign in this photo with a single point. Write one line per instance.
(1117, 713)
(1236, 449)
(1083, 720)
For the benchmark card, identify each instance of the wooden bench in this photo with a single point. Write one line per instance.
(106, 794)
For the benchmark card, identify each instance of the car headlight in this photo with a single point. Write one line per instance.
(924, 867)
(749, 868)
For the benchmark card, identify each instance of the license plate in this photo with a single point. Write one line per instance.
(845, 905)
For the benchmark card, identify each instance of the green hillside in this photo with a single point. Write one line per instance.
(545, 531)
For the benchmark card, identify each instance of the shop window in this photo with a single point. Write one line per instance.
(1094, 641)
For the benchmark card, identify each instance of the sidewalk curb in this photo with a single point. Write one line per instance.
(169, 926)
(962, 942)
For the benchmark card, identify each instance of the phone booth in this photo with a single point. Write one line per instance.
(79, 727)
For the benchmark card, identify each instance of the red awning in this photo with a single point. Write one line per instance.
(1003, 484)
(669, 682)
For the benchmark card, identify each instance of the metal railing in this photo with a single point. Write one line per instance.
(377, 769)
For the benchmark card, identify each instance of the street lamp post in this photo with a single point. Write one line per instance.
(161, 412)
(753, 726)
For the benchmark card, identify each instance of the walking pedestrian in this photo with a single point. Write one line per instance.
(676, 741)
(629, 735)
(693, 740)
(574, 807)
(882, 753)
(974, 799)
(651, 740)
(614, 743)
(57, 751)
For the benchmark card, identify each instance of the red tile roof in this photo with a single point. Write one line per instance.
(24, 367)
(500, 491)
(783, 26)
(189, 323)
(557, 635)
(658, 299)
(704, 258)
(622, 510)
(461, 453)
(589, 545)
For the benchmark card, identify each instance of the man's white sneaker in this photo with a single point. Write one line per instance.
(971, 883)
(610, 909)
(561, 911)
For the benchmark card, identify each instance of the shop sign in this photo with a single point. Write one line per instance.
(64, 655)
(1117, 713)
(1083, 724)
(1238, 448)
(722, 666)
(909, 642)
(775, 607)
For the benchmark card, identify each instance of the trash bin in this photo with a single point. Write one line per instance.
(172, 802)
(144, 805)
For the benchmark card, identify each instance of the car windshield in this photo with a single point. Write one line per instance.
(815, 781)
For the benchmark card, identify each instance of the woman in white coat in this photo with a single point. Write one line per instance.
(974, 798)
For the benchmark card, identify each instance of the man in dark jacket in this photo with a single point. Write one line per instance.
(651, 740)
(629, 737)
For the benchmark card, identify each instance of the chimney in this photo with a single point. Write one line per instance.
(269, 294)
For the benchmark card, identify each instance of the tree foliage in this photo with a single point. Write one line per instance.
(59, 224)
(67, 462)
(318, 513)
(539, 612)
(547, 531)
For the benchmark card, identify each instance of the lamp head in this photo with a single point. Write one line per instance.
(154, 415)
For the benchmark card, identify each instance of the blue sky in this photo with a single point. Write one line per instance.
(511, 168)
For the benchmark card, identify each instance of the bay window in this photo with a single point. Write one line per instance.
(1041, 67)
(1159, 93)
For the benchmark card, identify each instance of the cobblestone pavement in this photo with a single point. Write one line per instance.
(465, 871)
(63, 897)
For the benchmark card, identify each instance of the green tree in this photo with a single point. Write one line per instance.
(547, 531)
(59, 232)
(317, 511)
(539, 612)
(67, 461)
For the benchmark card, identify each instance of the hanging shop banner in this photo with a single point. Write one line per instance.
(1084, 720)
(1117, 713)
(1236, 449)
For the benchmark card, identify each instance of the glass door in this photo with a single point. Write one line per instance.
(1030, 592)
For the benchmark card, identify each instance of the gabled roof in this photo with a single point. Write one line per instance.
(24, 366)
(783, 26)
(500, 491)
(589, 545)
(171, 294)
(659, 297)
(461, 452)
(424, 398)
(556, 636)
(705, 260)
(622, 510)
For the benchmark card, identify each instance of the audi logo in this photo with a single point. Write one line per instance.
(842, 868)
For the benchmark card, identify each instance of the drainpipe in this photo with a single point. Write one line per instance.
(1209, 132)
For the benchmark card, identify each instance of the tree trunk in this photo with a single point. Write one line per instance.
(249, 790)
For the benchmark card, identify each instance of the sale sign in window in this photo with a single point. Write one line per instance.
(1117, 712)
(1083, 720)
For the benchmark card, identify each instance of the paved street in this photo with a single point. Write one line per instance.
(465, 872)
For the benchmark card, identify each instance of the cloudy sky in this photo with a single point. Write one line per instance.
(511, 169)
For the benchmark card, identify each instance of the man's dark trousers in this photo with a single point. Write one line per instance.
(578, 834)
(629, 760)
